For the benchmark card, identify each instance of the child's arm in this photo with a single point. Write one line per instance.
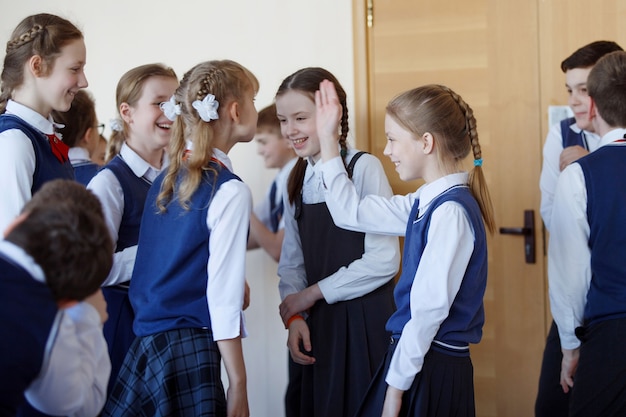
(237, 395)
(263, 237)
(74, 379)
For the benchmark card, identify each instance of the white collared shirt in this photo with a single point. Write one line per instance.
(17, 162)
(263, 209)
(569, 254)
(443, 263)
(108, 189)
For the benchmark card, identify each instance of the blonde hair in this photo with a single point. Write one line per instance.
(442, 112)
(129, 90)
(41, 34)
(228, 81)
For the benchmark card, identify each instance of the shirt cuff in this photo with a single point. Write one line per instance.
(227, 323)
(331, 169)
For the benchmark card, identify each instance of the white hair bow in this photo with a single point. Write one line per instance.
(207, 108)
(170, 108)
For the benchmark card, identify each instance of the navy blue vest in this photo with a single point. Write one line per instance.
(135, 191)
(85, 171)
(27, 315)
(466, 318)
(47, 166)
(168, 286)
(571, 138)
(606, 213)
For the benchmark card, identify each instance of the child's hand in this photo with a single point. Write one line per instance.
(237, 402)
(393, 402)
(299, 334)
(299, 302)
(327, 118)
(97, 300)
(571, 154)
(568, 368)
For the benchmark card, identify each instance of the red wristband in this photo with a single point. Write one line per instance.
(292, 318)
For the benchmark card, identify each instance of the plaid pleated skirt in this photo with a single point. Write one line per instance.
(175, 373)
(444, 388)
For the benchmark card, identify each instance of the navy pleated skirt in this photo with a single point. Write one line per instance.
(444, 388)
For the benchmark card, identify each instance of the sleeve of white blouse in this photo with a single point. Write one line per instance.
(371, 213)
(228, 220)
(108, 189)
(381, 256)
(17, 165)
(550, 171)
(75, 376)
(569, 255)
(291, 264)
(436, 283)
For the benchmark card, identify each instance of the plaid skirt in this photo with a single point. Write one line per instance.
(175, 373)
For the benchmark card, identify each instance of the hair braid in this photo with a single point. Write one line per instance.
(24, 38)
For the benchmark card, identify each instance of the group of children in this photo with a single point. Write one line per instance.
(172, 222)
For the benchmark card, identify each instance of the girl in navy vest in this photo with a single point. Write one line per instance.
(187, 288)
(80, 133)
(43, 70)
(141, 138)
(336, 285)
(439, 297)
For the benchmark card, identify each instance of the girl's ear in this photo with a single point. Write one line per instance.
(428, 143)
(125, 112)
(233, 111)
(36, 66)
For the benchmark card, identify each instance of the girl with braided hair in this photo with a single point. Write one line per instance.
(187, 287)
(336, 285)
(42, 71)
(427, 370)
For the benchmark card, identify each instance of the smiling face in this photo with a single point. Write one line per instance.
(405, 152)
(148, 126)
(296, 113)
(65, 77)
(579, 100)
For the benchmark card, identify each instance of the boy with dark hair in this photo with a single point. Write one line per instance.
(567, 141)
(53, 259)
(587, 268)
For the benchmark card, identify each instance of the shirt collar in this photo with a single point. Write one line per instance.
(30, 116)
(613, 135)
(223, 158)
(78, 154)
(138, 165)
(429, 191)
(18, 256)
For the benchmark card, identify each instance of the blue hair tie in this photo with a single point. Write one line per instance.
(478, 162)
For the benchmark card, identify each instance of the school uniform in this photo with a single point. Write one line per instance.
(27, 160)
(354, 272)
(84, 168)
(438, 297)
(551, 400)
(56, 359)
(586, 271)
(122, 186)
(187, 293)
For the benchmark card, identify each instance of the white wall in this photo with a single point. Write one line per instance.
(273, 38)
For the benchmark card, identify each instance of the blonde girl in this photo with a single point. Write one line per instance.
(142, 135)
(187, 287)
(439, 297)
(42, 71)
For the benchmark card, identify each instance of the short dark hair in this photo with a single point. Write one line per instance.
(65, 233)
(607, 87)
(588, 55)
(80, 117)
(268, 119)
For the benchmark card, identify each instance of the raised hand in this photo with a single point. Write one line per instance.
(327, 118)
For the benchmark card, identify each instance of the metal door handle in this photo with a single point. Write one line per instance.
(528, 231)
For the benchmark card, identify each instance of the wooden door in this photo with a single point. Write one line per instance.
(502, 57)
